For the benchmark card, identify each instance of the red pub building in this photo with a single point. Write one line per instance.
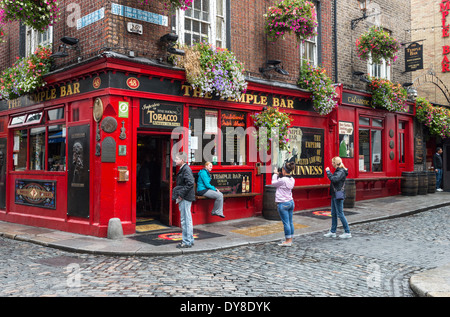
(73, 151)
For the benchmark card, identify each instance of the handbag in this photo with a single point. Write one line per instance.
(339, 194)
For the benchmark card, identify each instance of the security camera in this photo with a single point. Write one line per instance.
(69, 40)
(169, 37)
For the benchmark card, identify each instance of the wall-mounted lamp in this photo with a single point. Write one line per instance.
(361, 76)
(412, 92)
(363, 7)
(273, 64)
(68, 43)
(170, 39)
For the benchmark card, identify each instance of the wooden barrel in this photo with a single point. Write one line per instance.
(350, 193)
(409, 184)
(422, 188)
(431, 182)
(270, 210)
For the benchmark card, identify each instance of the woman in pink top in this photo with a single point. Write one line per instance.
(284, 182)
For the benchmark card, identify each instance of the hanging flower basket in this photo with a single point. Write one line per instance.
(269, 119)
(387, 95)
(213, 70)
(173, 4)
(25, 76)
(316, 80)
(38, 14)
(437, 119)
(291, 17)
(378, 45)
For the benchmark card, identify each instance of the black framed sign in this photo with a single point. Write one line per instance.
(36, 193)
(160, 114)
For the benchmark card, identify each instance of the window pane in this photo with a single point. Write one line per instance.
(37, 149)
(364, 149)
(20, 150)
(364, 121)
(57, 148)
(401, 148)
(55, 114)
(203, 125)
(34, 117)
(377, 123)
(376, 151)
(18, 120)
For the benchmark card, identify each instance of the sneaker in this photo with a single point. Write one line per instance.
(183, 246)
(330, 234)
(439, 190)
(345, 236)
(285, 244)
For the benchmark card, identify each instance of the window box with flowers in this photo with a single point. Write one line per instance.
(25, 76)
(291, 17)
(213, 70)
(437, 119)
(316, 80)
(387, 95)
(38, 14)
(172, 4)
(377, 44)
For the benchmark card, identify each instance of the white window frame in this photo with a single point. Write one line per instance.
(382, 70)
(218, 40)
(34, 38)
(312, 60)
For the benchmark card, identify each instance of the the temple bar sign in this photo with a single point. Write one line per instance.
(413, 57)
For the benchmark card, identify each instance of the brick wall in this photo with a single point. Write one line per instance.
(394, 16)
(427, 26)
(248, 40)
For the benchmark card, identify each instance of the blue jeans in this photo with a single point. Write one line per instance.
(286, 210)
(438, 178)
(337, 210)
(187, 228)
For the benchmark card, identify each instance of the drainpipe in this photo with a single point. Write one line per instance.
(336, 80)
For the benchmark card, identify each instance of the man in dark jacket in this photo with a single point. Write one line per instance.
(184, 194)
(437, 163)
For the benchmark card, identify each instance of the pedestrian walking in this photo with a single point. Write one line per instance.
(437, 163)
(204, 188)
(337, 202)
(184, 194)
(284, 182)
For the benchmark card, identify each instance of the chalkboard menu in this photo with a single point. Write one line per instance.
(233, 126)
(231, 183)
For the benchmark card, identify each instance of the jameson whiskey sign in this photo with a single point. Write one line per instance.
(306, 150)
(157, 114)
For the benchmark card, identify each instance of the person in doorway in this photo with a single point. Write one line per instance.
(184, 194)
(284, 182)
(204, 188)
(437, 163)
(337, 205)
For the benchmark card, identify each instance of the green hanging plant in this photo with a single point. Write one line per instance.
(271, 121)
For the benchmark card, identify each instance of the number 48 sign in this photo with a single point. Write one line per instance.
(123, 109)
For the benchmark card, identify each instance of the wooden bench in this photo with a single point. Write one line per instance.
(309, 188)
(370, 182)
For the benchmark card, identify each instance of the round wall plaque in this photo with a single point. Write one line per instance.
(98, 110)
(391, 144)
(391, 155)
(391, 133)
(109, 124)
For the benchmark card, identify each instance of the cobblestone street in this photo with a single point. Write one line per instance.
(377, 261)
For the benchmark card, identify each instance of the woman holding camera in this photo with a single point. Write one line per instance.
(337, 205)
(284, 182)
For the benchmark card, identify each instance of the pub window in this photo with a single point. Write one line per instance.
(401, 142)
(42, 146)
(217, 136)
(370, 149)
